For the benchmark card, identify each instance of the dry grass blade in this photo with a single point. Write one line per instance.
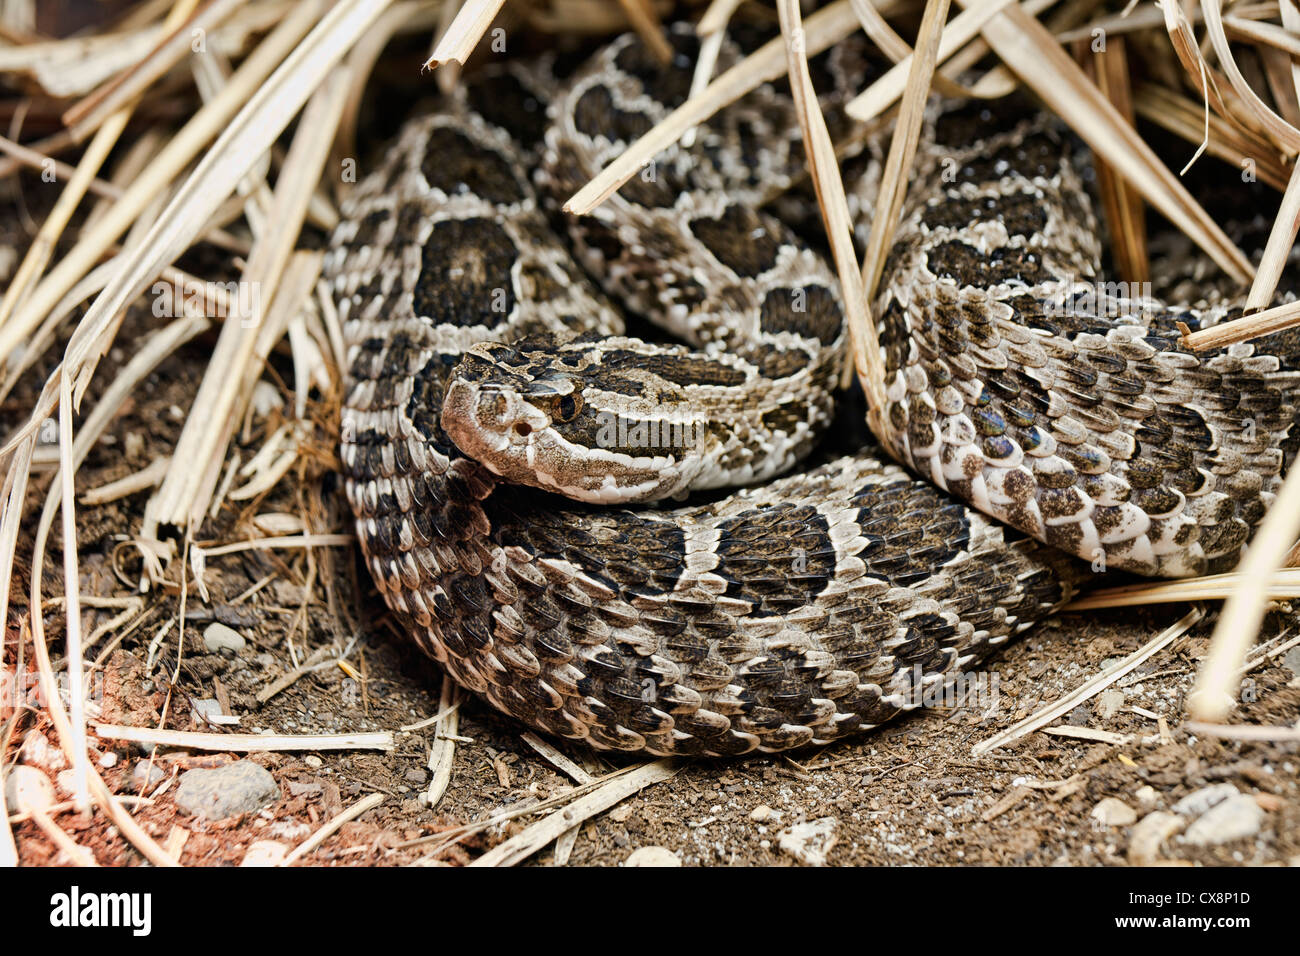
(895, 47)
(1262, 34)
(882, 94)
(82, 179)
(1215, 693)
(1122, 205)
(60, 496)
(125, 823)
(867, 355)
(111, 126)
(76, 661)
(1189, 55)
(180, 499)
(88, 115)
(76, 667)
(331, 826)
(1278, 129)
(1253, 732)
(464, 33)
(179, 152)
(33, 159)
(246, 743)
(1276, 319)
(1277, 251)
(538, 835)
(76, 853)
(902, 148)
(288, 541)
(8, 849)
(1190, 121)
(823, 29)
(1282, 585)
(717, 16)
(1025, 46)
(442, 752)
(1090, 733)
(641, 14)
(557, 759)
(1090, 688)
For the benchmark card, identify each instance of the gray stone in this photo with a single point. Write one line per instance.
(1114, 813)
(218, 637)
(1235, 818)
(27, 788)
(809, 842)
(1292, 661)
(652, 856)
(240, 787)
(203, 711)
(65, 781)
(37, 751)
(146, 776)
(1109, 702)
(265, 853)
(1147, 838)
(1197, 802)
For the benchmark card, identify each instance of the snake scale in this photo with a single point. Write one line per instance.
(1044, 422)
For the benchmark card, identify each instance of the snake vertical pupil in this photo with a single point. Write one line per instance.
(567, 407)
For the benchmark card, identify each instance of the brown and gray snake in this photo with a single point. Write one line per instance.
(800, 609)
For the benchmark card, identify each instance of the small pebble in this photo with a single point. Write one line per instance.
(27, 788)
(1292, 661)
(1235, 818)
(146, 776)
(204, 710)
(761, 813)
(414, 776)
(313, 761)
(1109, 702)
(652, 856)
(1197, 802)
(809, 842)
(108, 760)
(1146, 795)
(66, 781)
(217, 637)
(620, 813)
(37, 751)
(1146, 839)
(265, 853)
(266, 398)
(1114, 813)
(240, 787)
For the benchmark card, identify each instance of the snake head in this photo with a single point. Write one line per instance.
(555, 417)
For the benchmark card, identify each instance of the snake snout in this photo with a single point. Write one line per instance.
(486, 419)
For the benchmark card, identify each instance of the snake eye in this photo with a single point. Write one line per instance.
(567, 407)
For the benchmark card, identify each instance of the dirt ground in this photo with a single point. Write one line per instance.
(911, 793)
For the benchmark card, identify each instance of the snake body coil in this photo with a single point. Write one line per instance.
(818, 604)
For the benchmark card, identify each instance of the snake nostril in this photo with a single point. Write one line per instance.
(523, 429)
